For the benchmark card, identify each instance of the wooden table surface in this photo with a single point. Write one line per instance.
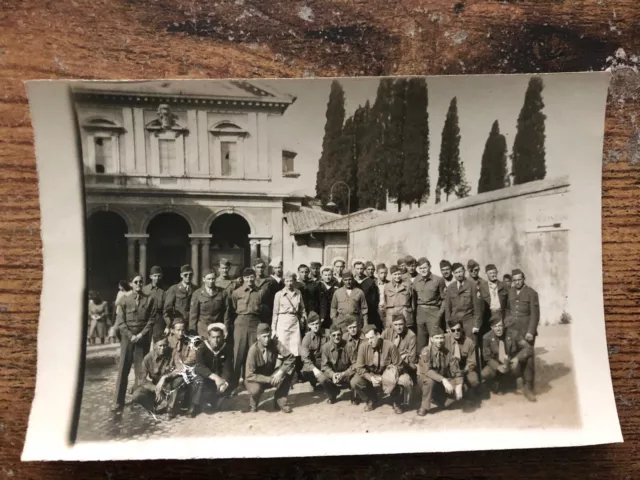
(136, 39)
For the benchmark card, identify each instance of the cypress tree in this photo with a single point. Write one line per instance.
(394, 142)
(462, 188)
(344, 168)
(415, 166)
(493, 170)
(528, 156)
(372, 185)
(330, 155)
(449, 171)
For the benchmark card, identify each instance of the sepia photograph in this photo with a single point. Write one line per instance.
(395, 261)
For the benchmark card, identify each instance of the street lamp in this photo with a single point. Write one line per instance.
(332, 204)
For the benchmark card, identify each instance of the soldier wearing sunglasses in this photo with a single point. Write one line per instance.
(177, 301)
(464, 350)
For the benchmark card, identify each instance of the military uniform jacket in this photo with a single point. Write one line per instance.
(336, 359)
(273, 286)
(466, 350)
(374, 361)
(438, 364)
(208, 309)
(400, 299)
(371, 293)
(353, 345)
(343, 304)
(464, 303)
(503, 294)
(259, 370)
(406, 346)
(326, 295)
(310, 291)
(220, 362)
(515, 346)
(135, 315)
(246, 301)
(177, 302)
(155, 366)
(158, 295)
(525, 308)
(310, 349)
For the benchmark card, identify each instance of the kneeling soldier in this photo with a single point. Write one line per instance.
(311, 352)
(157, 366)
(379, 372)
(464, 350)
(336, 365)
(218, 359)
(261, 371)
(189, 367)
(405, 340)
(439, 373)
(506, 353)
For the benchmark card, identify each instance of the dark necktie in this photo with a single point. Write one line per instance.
(265, 355)
(137, 300)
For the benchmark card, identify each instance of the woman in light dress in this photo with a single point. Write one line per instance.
(97, 318)
(289, 315)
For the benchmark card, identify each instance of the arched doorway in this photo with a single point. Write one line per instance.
(230, 240)
(106, 253)
(168, 245)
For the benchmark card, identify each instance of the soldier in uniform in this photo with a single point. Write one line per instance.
(245, 308)
(463, 349)
(446, 272)
(370, 290)
(483, 288)
(399, 297)
(260, 267)
(339, 265)
(209, 304)
(160, 327)
(157, 365)
(524, 307)
(506, 279)
(327, 288)
(188, 375)
(349, 300)
(309, 289)
(411, 273)
(262, 373)
(379, 372)
(498, 292)
(135, 317)
(337, 365)
(381, 281)
(439, 374)
(429, 297)
(405, 341)
(370, 270)
(177, 301)
(224, 281)
(274, 284)
(463, 302)
(507, 354)
(311, 352)
(218, 359)
(315, 271)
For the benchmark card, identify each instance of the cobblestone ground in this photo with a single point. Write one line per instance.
(557, 405)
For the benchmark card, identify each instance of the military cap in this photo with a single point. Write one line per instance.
(490, 267)
(155, 270)
(347, 274)
(247, 272)
(368, 328)
(471, 264)
(263, 328)
(394, 269)
(186, 269)
(312, 317)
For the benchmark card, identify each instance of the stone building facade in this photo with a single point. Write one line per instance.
(174, 177)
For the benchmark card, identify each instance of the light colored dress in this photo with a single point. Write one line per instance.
(97, 320)
(288, 310)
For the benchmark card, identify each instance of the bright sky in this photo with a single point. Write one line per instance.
(481, 100)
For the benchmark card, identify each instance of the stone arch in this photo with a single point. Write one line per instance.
(168, 209)
(115, 209)
(233, 210)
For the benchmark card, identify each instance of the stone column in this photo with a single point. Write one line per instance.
(142, 269)
(265, 250)
(253, 244)
(195, 264)
(206, 261)
(131, 256)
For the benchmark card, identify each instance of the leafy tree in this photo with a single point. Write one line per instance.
(493, 170)
(449, 171)
(331, 154)
(528, 156)
(415, 147)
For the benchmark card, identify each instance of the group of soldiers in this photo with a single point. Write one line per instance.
(383, 333)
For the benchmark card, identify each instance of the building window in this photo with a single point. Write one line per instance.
(288, 164)
(229, 156)
(103, 154)
(167, 154)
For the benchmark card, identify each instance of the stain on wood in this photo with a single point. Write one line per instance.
(135, 39)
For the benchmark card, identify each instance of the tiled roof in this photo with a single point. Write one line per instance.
(353, 220)
(307, 219)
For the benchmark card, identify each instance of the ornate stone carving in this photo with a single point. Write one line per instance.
(166, 117)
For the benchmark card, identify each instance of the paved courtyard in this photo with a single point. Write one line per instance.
(557, 405)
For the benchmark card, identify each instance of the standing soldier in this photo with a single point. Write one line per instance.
(506, 279)
(524, 307)
(412, 273)
(447, 273)
(315, 271)
(463, 302)
(483, 288)
(309, 289)
(498, 292)
(381, 272)
(370, 270)
(439, 373)
(135, 317)
(398, 297)
(224, 280)
(260, 267)
(401, 263)
(327, 288)
(275, 283)
(349, 300)
(370, 290)
(429, 298)
(339, 265)
(208, 305)
(177, 301)
(160, 328)
(245, 307)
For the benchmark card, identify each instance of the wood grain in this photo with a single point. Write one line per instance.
(267, 38)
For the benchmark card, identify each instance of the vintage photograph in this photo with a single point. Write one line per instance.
(331, 256)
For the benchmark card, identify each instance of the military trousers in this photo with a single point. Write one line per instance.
(245, 334)
(131, 355)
